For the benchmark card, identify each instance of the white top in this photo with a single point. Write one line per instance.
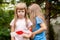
(21, 24)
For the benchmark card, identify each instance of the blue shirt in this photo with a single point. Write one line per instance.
(40, 36)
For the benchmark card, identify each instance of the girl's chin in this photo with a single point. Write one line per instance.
(21, 17)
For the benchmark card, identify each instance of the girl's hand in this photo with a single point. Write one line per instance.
(12, 38)
(13, 34)
(33, 35)
(27, 35)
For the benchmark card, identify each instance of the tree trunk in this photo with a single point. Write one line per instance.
(47, 14)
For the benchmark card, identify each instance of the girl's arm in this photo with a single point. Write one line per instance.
(30, 33)
(43, 28)
(29, 29)
(12, 30)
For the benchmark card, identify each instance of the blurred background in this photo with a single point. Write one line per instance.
(50, 8)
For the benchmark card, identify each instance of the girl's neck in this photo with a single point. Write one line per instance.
(21, 18)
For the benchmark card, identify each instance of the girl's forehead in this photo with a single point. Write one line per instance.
(20, 8)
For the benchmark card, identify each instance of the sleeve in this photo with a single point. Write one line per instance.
(39, 20)
(12, 23)
(29, 23)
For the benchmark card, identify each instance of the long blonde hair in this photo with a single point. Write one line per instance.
(20, 6)
(35, 10)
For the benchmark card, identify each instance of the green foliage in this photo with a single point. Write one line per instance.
(1, 1)
(54, 10)
(5, 18)
(13, 1)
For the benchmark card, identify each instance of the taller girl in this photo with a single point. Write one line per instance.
(38, 19)
(20, 24)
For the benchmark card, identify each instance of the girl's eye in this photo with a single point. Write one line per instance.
(18, 11)
(22, 11)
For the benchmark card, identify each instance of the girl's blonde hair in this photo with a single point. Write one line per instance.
(35, 10)
(21, 6)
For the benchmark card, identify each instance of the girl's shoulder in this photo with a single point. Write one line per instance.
(12, 22)
(29, 22)
(39, 20)
(28, 19)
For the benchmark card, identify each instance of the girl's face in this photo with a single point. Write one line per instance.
(21, 13)
(31, 13)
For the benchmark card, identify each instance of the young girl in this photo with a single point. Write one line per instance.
(38, 20)
(20, 24)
